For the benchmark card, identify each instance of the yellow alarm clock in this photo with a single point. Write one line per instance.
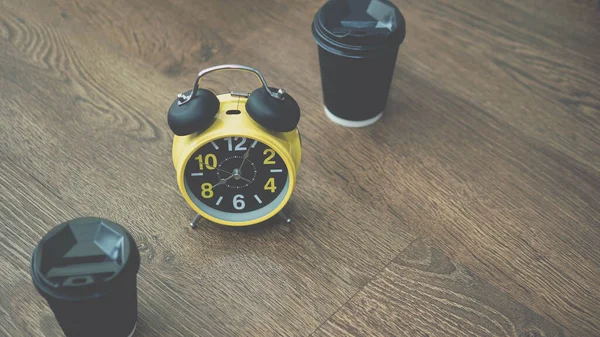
(236, 155)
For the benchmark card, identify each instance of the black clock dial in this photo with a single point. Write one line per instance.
(235, 175)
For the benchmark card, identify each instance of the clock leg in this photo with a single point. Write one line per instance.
(284, 217)
(195, 221)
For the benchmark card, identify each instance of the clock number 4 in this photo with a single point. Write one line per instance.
(210, 160)
(238, 147)
(270, 185)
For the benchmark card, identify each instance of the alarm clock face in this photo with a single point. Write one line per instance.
(236, 179)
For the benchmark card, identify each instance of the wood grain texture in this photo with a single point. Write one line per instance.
(26, 206)
(423, 293)
(489, 148)
(269, 281)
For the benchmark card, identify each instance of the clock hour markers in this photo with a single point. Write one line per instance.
(236, 175)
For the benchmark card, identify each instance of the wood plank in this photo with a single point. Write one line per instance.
(424, 293)
(489, 147)
(515, 65)
(508, 59)
(27, 209)
(513, 211)
(176, 37)
(101, 143)
(498, 197)
(518, 169)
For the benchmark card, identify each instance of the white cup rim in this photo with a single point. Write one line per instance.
(350, 123)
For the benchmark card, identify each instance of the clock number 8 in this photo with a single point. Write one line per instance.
(207, 191)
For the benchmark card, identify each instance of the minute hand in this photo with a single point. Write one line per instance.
(246, 154)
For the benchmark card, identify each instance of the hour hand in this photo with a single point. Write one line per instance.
(222, 181)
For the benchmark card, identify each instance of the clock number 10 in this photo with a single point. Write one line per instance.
(210, 160)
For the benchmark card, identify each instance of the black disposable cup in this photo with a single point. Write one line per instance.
(86, 269)
(358, 42)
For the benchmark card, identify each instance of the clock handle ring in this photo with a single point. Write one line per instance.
(182, 98)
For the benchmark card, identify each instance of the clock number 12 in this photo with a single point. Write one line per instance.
(238, 147)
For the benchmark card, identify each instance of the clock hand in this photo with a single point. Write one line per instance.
(246, 154)
(231, 175)
(220, 169)
(222, 181)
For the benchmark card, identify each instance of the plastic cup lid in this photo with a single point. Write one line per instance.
(83, 257)
(355, 26)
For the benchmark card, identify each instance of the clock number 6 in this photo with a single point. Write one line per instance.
(268, 160)
(207, 191)
(238, 202)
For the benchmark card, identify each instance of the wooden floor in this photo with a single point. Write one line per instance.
(471, 209)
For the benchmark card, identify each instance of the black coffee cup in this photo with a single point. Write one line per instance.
(86, 269)
(358, 42)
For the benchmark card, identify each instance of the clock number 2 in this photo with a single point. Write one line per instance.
(271, 154)
(210, 160)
